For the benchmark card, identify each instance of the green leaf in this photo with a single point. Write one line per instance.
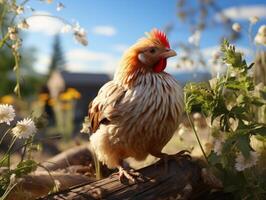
(243, 145)
(25, 167)
(213, 158)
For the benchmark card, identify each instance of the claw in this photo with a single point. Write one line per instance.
(182, 154)
(128, 175)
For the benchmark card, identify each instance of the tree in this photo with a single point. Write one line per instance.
(57, 61)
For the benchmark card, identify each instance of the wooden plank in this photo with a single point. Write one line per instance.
(183, 179)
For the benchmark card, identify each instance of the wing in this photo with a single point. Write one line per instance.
(104, 105)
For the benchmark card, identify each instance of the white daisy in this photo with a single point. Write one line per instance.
(243, 163)
(20, 10)
(218, 145)
(12, 179)
(196, 116)
(67, 28)
(195, 38)
(24, 128)
(80, 35)
(261, 36)
(236, 27)
(23, 24)
(253, 19)
(7, 113)
(60, 6)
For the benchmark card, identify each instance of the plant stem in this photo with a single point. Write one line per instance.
(8, 190)
(197, 137)
(7, 154)
(7, 131)
(3, 40)
(17, 69)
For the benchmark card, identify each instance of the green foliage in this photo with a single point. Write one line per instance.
(23, 168)
(232, 101)
(12, 58)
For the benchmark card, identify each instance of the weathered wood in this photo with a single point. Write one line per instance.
(79, 155)
(183, 180)
(76, 156)
(38, 184)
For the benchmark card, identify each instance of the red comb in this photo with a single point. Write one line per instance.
(161, 37)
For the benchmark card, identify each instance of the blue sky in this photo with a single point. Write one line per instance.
(112, 26)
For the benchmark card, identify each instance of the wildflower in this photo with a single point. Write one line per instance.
(43, 97)
(23, 24)
(12, 33)
(80, 35)
(12, 179)
(213, 82)
(261, 36)
(65, 96)
(216, 55)
(51, 102)
(182, 129)
(17, 45)
(74, 93)
(236, 27)
(253, 20)
(85, 125)
(66, 106)
(208, 147)
(57, 184)
(7, 99)
(7, 113)
(218, 146)
(243, 163)
(233, 123)
(60, 6)
(24, 128)
(196, 116)
(67, 28)
(195, 38)
(20, 10)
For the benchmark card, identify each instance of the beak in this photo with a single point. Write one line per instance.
(168, 53)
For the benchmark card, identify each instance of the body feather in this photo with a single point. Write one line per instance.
(135, 120)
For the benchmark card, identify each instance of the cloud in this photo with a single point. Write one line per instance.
(82, 60)
(104, 30)
(42, 63)
(41, 22)
(120, 47)
(209, 51)
(176, 65)
(243, 12)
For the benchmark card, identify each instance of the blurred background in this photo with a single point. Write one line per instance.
(60, 77)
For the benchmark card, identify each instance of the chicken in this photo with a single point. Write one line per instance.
(137, 112)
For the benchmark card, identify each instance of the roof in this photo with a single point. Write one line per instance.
(78, 79)
(198, 76)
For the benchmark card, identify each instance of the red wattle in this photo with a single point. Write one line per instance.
(160, 66)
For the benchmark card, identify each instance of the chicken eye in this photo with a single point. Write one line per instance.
(152, 50)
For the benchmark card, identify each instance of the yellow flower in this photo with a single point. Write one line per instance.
(51, 102)
(43, 97)
(66, 96)
(7, 99)
(75, 93)
(66, 106)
